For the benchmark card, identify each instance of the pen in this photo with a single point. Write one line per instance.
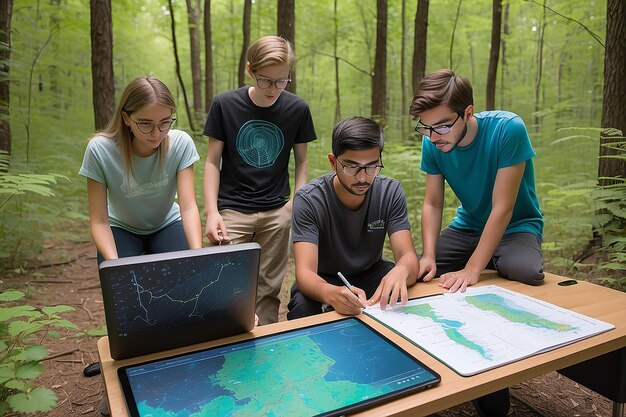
(348, 285)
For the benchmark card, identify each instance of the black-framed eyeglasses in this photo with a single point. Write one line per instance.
(148, 127)
(353, 170)
(440, 130)
(264, 83)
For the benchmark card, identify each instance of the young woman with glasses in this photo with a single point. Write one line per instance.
(135, 167)
(252, 131)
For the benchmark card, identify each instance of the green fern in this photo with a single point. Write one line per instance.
(21, 353)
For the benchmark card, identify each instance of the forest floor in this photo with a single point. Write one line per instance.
(69, 276)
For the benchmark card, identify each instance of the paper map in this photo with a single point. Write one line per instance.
(486, 327)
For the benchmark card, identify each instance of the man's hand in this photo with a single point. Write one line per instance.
(289, 205)
(428, 268)
(215, 229)
(458, 280)
(392, 287)
(344, 301)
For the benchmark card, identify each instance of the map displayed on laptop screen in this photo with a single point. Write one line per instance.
(167, 300)
(177, 291)
(319, 370)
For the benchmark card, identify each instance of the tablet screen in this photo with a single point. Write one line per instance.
(320, 370)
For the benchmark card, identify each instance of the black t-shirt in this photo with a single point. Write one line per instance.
(257, 140)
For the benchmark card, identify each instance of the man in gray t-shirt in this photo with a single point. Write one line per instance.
(340, 222)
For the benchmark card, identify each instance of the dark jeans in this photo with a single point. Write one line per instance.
(169, 239)
(368, 280)
(518, 255)
(496, 404)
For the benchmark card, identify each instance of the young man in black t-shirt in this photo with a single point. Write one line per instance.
(252, 131)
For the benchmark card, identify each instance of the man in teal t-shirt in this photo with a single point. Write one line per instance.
(486, 159)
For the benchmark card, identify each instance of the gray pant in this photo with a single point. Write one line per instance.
(517, 257)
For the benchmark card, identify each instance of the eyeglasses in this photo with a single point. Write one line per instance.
(148, 127)
(353, 170)
(264, 83)
(440, 130)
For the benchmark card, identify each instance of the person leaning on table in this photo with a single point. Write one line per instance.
(340, 222)
(486, 158)
(135, 167)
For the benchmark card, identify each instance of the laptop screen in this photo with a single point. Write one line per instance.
(326, 369)
(162, 301)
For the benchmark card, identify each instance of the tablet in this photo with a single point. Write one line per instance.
(327, 369)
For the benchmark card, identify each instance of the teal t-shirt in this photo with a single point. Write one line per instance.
(502, 141)
(143, 203)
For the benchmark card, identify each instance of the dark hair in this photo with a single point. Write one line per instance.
(442, 87)
(357, 133)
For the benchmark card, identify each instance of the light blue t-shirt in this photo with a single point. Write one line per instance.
(142, 203)
(501, 141)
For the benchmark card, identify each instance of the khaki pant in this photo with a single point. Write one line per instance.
(270, 229)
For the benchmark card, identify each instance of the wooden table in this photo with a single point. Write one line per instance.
(589, 299)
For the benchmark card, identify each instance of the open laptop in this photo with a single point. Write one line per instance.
(163, 301)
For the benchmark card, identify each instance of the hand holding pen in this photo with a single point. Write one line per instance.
(359, 293)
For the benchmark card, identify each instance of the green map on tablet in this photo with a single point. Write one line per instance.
(325, 369)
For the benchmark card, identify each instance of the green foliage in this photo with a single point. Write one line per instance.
(610, 221)
(20, 209)
(96, 331)
(22, 329)
(61, 116)
(584, 220)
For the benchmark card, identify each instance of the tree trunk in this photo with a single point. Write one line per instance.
(614, 102)
(403, 88)
(494, 54)
(367, 38)
(54, 69)
(335, 47)
(504, 72)
(456, 22)
(419, 42)
(193, 13)
(6, 10)
(542, 29)
(209, 87)
(102, 62)
(241, 74)
(286, 18)
(564, 57)
(178, 72)
(379, 81)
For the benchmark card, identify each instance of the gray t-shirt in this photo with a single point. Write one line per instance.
(144, 203)
(348, 241)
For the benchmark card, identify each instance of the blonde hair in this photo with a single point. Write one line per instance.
(140, 92)
(270, 50)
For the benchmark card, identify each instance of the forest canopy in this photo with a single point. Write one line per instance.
(550, 70)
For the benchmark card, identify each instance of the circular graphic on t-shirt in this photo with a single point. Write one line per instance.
(259, 143)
